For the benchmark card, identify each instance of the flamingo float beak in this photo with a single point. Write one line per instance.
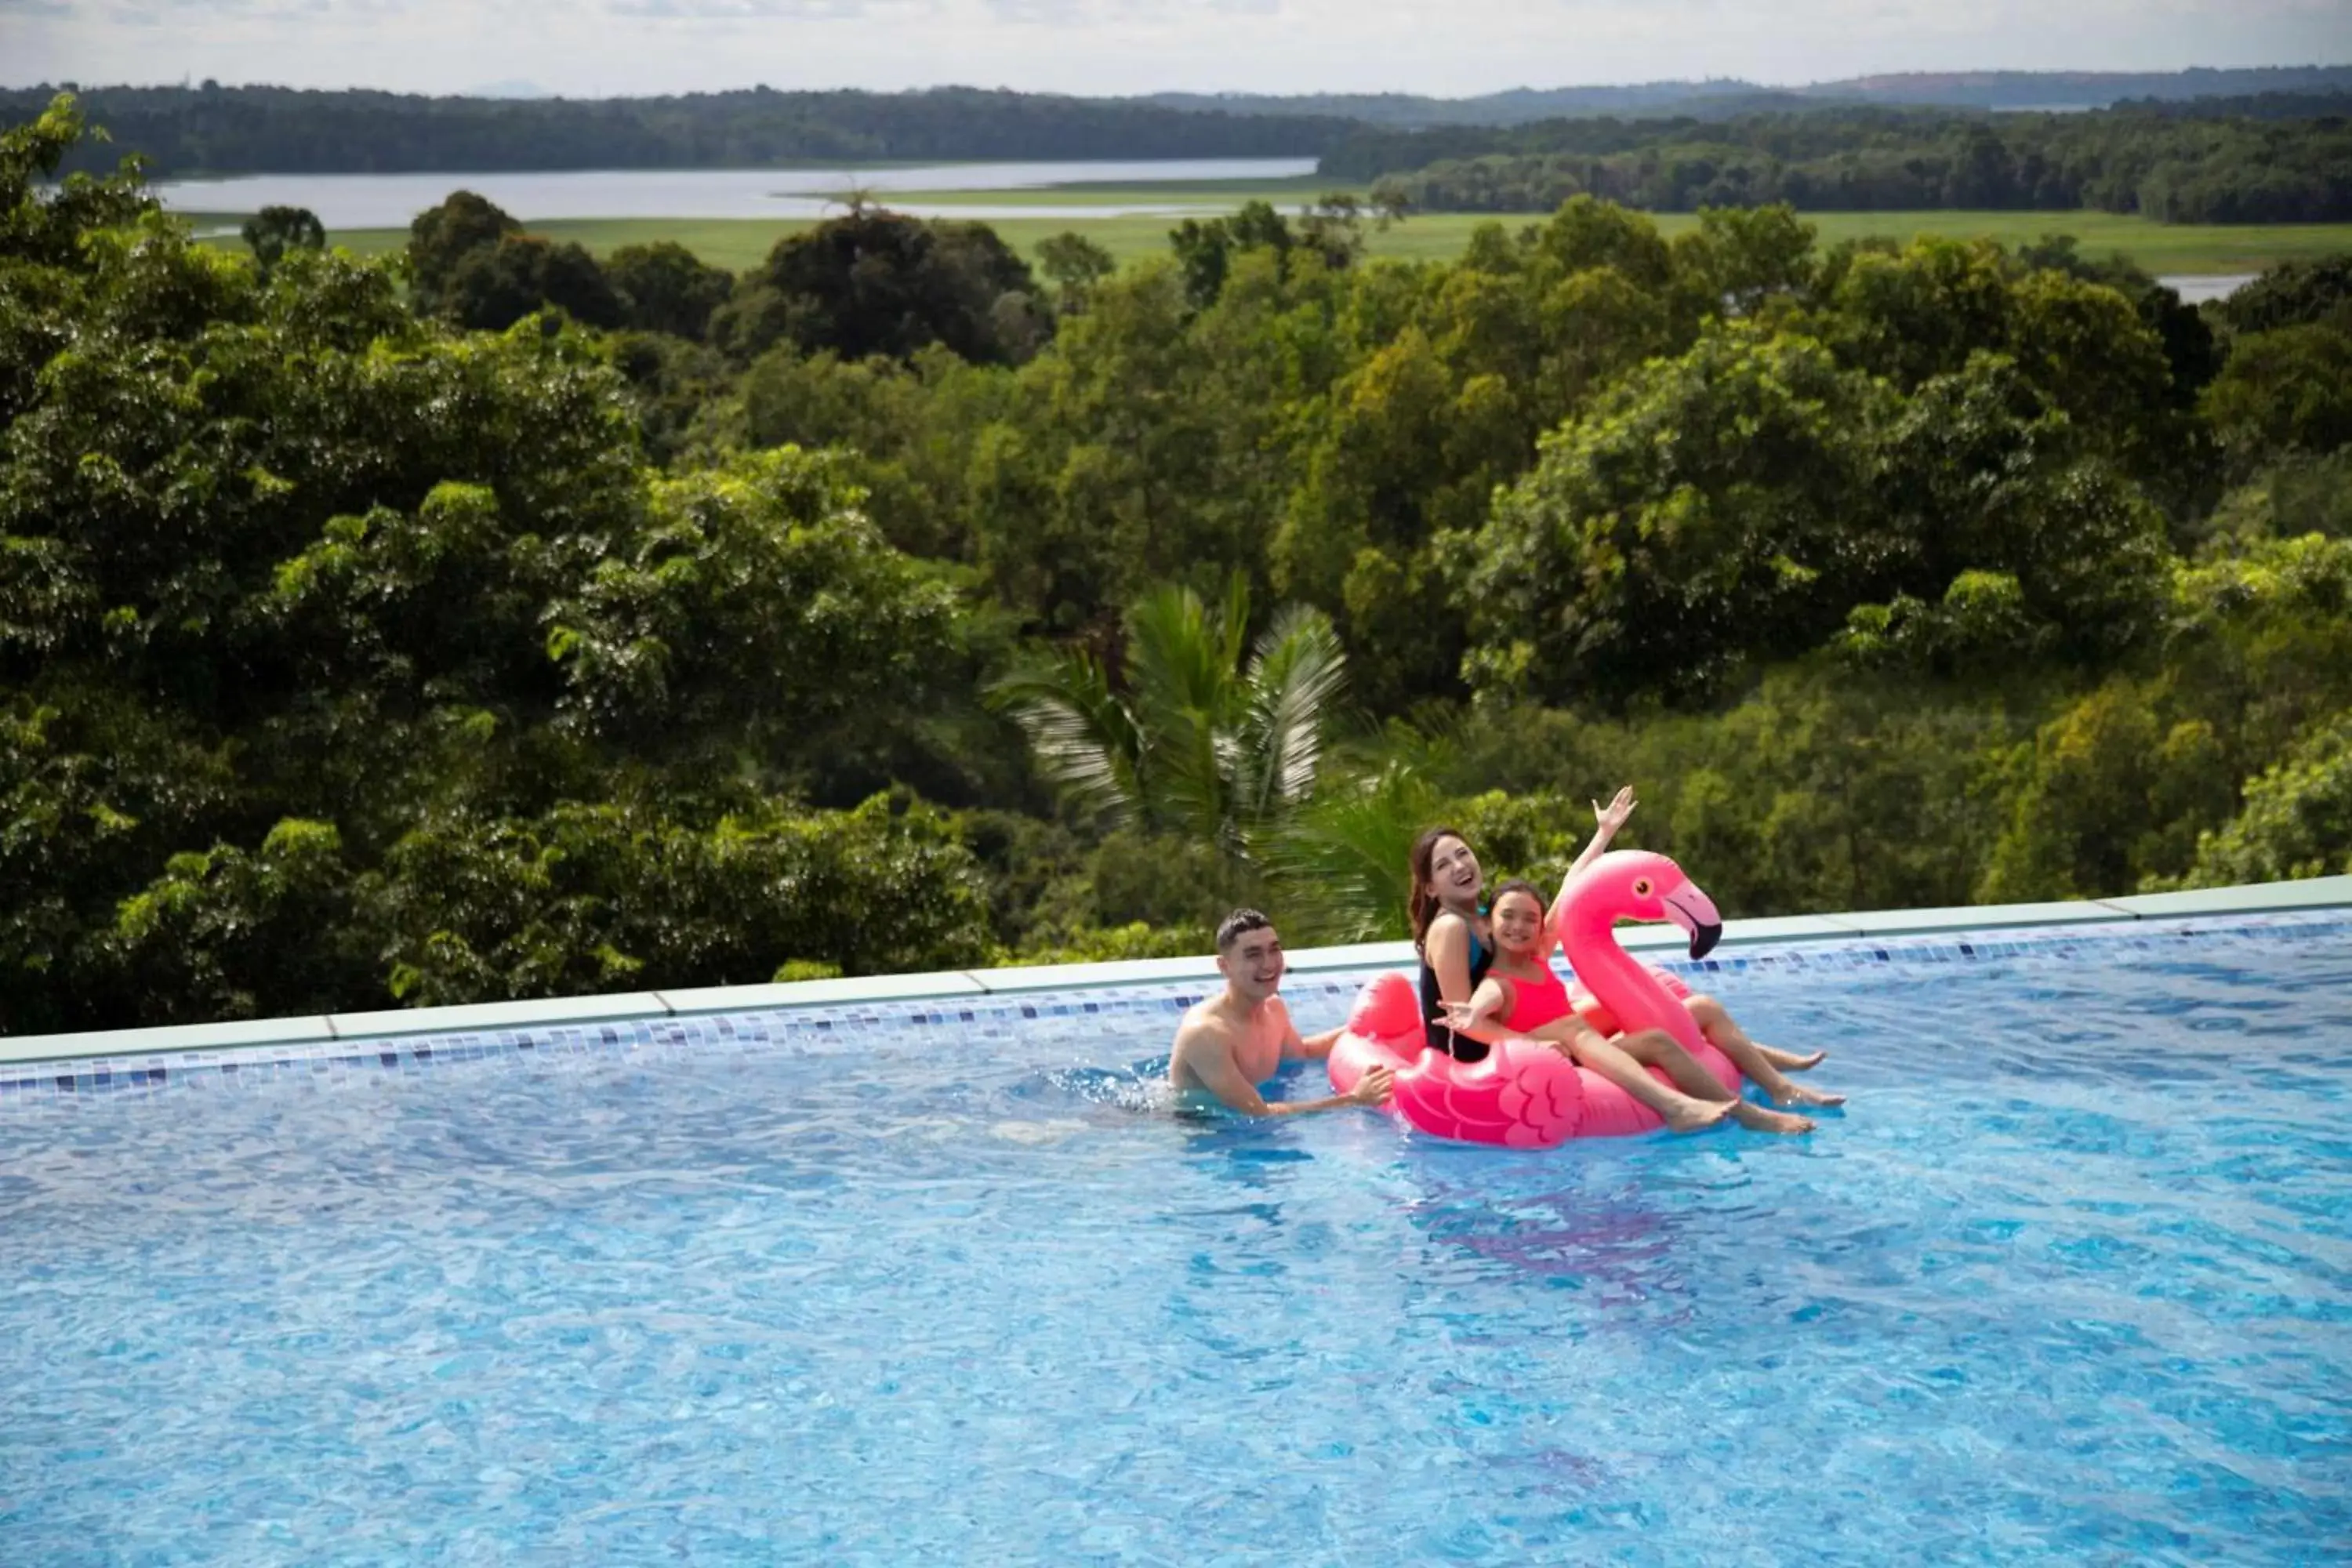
(1693, 910)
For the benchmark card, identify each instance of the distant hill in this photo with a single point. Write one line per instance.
(1723, 97)
(218, 130)
(1519, 106)
(2080, 89)
(215, 129)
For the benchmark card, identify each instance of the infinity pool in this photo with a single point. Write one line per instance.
(2070, 1280)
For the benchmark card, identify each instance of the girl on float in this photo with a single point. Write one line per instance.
(1521, 995)
(1454, 939)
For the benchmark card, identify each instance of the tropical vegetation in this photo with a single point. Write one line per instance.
(2208, 161)
(496, 621)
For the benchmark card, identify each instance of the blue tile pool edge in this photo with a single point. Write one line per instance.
(854, 1026)
(2320, 892)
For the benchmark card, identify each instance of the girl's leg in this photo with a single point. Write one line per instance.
(1751, 1058)
(1712, 1015)
(1662, 1049)
(1680, 1111)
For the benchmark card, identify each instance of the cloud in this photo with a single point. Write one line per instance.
(1065, 13)
(199, 13)
(755, 10)
(616, 47)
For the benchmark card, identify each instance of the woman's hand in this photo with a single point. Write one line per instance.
(1612, 817)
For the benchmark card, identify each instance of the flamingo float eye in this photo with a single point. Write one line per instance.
(1642, 889)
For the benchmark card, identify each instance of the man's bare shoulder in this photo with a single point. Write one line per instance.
(1203, 1025)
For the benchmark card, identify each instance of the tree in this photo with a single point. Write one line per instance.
(2294, 294)
(595, 896)
(492, 286)
(1204, 249)
(666, 288)
(1191, 738)
(1708, 509)
(753, 615)
(2296, 821)
(2009, 537)
(274, 230)
(1073, 264)
(293, 578)
(879, 283)
(224, 933)
(2280, 392)
(441, 238)
(1741, 258)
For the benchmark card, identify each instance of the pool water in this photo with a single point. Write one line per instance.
(2071, 1279)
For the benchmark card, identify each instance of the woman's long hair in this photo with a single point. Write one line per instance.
(1422, 903)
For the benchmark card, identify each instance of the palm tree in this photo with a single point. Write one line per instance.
(1189, 738)
(1341, 860)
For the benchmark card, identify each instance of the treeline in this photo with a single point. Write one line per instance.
(2090, 89)
(895, 604)
(2260, 91)
(213, 130)
(2176, 163)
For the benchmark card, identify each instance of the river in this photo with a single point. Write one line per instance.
(345, 202)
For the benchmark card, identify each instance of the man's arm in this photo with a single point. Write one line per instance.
(1209, 1060)
(1312, 1047)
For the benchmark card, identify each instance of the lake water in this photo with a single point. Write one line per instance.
(389, 201)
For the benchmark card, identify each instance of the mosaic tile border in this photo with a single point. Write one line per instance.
(852, 1025)
(541, 1015)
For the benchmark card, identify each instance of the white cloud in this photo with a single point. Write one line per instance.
(615, 46)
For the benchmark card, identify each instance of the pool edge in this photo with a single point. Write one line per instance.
(2312, 893)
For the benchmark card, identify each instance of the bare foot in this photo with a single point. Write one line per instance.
(1798, 1094)
(1749, 1114)
(1692, 1115)
(1794, 1061)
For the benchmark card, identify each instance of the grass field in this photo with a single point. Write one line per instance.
(736, 244)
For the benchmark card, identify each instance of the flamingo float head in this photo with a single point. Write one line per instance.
(1637, 885)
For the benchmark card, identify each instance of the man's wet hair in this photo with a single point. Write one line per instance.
(1239, 924)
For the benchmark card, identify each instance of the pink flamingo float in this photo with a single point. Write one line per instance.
(1525, 1094)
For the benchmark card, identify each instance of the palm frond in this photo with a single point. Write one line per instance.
(1340, 863)
(1178, 663)
(1085, 739)
(1182, 681)
(1295, 680)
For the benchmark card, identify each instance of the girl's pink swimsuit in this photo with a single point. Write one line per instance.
(1535, 1002)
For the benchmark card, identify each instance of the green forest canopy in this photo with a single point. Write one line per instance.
(215, 129)
(498, 622)
(2269, 158)
(2209, 162)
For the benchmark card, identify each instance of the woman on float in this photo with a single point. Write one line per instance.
(1454, 939)
(1521, 995)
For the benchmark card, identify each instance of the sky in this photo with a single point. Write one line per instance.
(1449, 47)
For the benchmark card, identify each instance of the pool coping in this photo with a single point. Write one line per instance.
(2312, 893)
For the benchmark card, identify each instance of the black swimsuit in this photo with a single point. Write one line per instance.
(1441, 1035)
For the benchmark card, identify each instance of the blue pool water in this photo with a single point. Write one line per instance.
(2070, 1280)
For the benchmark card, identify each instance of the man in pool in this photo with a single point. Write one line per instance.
(1230, 1043)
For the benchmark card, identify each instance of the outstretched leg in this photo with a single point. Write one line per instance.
(1757, 1061)
(1683, 1113)
(1661, 1049)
